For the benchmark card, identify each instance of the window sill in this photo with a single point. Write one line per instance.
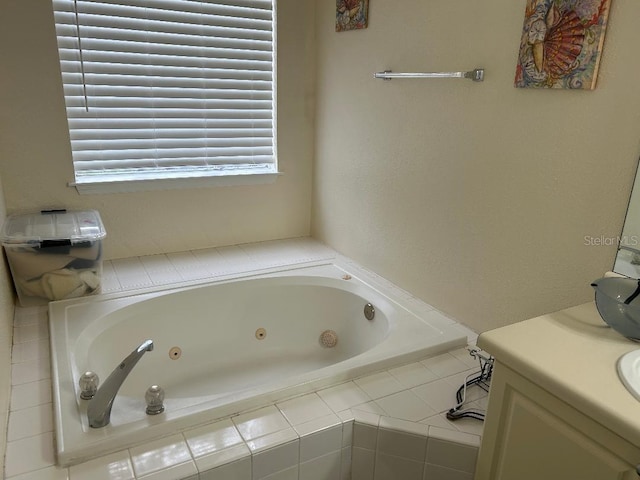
(129, 186)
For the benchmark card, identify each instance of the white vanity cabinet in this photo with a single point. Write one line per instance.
(530, 434)
(557, 409)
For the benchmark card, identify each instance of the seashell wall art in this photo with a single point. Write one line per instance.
(351, 14)
(562, 43)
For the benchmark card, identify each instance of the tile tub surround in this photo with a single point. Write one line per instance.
(296, 438)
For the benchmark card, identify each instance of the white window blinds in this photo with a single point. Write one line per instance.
(158, 89)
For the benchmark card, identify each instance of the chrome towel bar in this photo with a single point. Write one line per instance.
(477, 75)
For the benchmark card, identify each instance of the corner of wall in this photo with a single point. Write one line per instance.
(7, 308)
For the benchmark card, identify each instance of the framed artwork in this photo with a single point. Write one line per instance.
(351, 14)
(561, 43)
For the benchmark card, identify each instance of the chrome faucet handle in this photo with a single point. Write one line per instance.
(99, 408)
(155, 400)
(88, 383)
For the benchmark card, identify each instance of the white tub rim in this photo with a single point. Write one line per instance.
(452, 338)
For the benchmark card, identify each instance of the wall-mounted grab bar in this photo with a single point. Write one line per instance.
(477, 75)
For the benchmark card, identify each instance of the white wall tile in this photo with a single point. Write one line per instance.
(48, 473)
(159, 455)
(116, 466)
(31, 394)
(362, 463)
(238, 470)
(30, 371)
(160, 270)
(370, 407)
(219, 458)
(365, 436)
(345, 415)
(347, 433)
(345, 464)
(366, 418)
(110, 282)
(413, 374)
(320, 443)
(379, 384)
(260, 422)
(30, 421)
(269, 253)
(343, 396)
(272, 440)
(275, 459)
(32, 350)
(213, 437)
(388, 467)
(312, 250)
(29, 315)
(234, 259)
(401, 444)
(440, 395)
(29, 454)
(439, 420)
(399, 425)
(181, 471)
(210, 260)
(31, 332)
(481, 403)
(450, 435)
(188, 266)
(436, 472)
(406, 406)
(451, 455)
(131, 273)
(317, 425)
(286, 474)
(326, 467)
(304, 409)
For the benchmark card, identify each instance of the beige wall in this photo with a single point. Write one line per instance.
(6, 336)
(476, 197)
(35, 157)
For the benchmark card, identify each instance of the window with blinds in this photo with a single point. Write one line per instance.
(166, 89)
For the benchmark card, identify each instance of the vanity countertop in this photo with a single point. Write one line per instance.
(573, 355)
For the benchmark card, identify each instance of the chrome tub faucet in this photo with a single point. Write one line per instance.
(99, 408)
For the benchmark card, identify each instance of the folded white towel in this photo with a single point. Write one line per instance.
(27, 263)
(61, 284)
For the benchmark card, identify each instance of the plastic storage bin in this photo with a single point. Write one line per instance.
(54, 255)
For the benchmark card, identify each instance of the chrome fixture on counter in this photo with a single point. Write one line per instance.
(99, 409)
(369, 311)
(88, 385)
(154, 397)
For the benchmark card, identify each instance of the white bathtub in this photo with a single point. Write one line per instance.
(225, 367)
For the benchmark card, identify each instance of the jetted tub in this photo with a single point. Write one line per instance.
(241, 343)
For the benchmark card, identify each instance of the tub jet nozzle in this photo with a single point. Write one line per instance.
(328, 338)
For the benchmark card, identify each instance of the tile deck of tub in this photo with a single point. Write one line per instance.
(373, 426)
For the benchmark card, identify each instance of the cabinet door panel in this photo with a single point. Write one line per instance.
(537, 444)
